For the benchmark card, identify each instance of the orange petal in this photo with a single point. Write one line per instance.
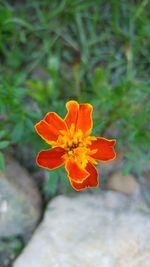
(75, 172)
(54, 119)
(105, 149)
(90, 181)
(49, 128)
(72, 115)
(80, 116)
(51, 158)
(46, 131)
(84, 121)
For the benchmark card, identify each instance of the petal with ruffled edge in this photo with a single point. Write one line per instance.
(85, 122)
(51, 158)
(72, 115)
(75, 172)
(80, 116)
(49, 128)
(105, 149)
(90, 181)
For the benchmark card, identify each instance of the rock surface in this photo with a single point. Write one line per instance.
(104, 230)
(19, 201)
(126, 184)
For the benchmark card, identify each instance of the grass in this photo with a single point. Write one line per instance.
(98, 51)
(93, 51)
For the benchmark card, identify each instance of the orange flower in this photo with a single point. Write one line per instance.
(73, 146)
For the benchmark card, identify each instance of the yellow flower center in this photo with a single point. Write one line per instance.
(75, 142)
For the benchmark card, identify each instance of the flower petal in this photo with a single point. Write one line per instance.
(72, 115)
(49, 128)
(80, 116)
(105, 149)
(46, 131)
(84, 121)
(54, 119)
(90, 181)
(75, 172)
(51, 158)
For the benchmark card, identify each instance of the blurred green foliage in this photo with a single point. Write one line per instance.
(93, 51)
(9, 249)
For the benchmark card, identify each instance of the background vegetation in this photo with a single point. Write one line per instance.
(93, 51)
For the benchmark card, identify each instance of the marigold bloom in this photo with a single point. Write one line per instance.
(73, 146)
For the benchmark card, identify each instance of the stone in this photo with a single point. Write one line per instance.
(106, 169)
(147, 179)
(20, 201)
(144, 180)
(107, 229)
(126, 184)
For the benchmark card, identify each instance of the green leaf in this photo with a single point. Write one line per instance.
(2, 162)
(2, 133)
(4, 144)
(97, 128)
(20, 22)
(17, 132)
(126, 168)
(63, 180)
(30, 125)
(51, 183)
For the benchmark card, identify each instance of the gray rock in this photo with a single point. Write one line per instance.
(105, 230)
(19, 201)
